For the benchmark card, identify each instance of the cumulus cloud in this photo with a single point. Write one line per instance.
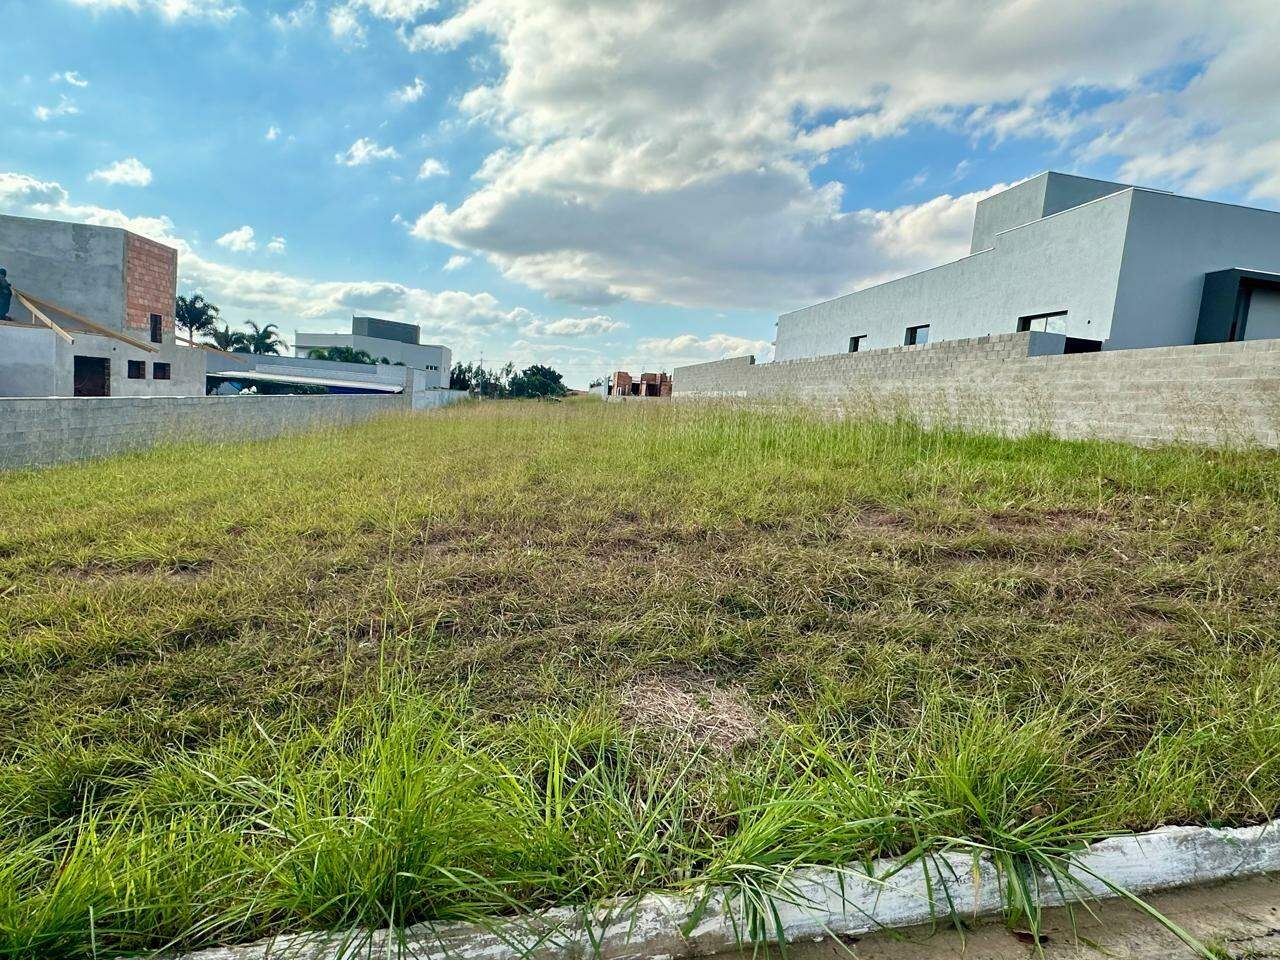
(431, 167)
(640, 162)
(573, 327)
(239, 240)
(456, 262)
(71, 78)
(365, 151)
(293, 19)
(688, 348)
(411, 93)
(128, 173)
(276, 245)
(273, 132)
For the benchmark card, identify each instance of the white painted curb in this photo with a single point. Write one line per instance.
(819, 902)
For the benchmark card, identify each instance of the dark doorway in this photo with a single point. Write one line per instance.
(92, 377)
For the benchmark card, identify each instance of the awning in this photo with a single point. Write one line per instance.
(370, 386)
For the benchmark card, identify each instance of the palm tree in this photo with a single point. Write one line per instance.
(340, 354)
(261, 340)
(226, 338)
(195, 314)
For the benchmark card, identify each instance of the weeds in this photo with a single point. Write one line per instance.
(387, 674)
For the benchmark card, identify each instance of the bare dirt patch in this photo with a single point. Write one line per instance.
(695, 709)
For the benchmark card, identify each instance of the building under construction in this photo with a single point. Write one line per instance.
(622, 384)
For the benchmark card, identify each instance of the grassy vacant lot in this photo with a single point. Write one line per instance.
(506, 656)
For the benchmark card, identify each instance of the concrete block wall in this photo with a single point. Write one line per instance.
(45, 431)
(1216, 393)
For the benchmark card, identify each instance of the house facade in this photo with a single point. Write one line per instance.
(1106, 265)
(92, 314)
(397, 342)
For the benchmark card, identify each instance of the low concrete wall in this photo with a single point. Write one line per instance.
(40, 432)
(430, 399)
(1226, 393)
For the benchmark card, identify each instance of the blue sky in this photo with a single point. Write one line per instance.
(604, 185)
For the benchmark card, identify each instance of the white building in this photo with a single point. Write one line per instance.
(397, 342)
(1107, 265)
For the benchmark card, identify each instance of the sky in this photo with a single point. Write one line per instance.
(605, 184)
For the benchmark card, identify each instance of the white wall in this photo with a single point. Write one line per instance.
(433, 358)
(36, 362)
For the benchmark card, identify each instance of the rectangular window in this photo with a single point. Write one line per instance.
(917, 335)
(159, 371)
(157, 328)
(855, 343)
(137, 370)
(1054, 322)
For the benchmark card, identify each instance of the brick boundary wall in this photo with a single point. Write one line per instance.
(46, 431)
(1222, 393)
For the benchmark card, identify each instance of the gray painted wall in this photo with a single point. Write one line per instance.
(1173, 242)
(1264, 316)
(1222, 393)
(1070, 261)
(1041, 196)
(36, 362)
(74, 265)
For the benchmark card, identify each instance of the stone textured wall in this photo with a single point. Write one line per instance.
(151, 284)
(1225, 393)
(40, 432)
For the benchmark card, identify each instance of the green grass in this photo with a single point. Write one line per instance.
(390, 673)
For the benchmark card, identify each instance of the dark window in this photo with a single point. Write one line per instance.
(92, 377)
(855, 343)
(159, 371)
(1046, 322)
(137, 369)
(917, 335)
(157, 328)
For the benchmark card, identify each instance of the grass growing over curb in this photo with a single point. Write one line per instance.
(513, 655)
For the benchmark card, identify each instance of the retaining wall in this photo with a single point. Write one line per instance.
(1224, 393)
(40, 432)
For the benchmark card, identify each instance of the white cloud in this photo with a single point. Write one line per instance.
(273, 132)
(345, 26)
(431, 167)
(128, 173)
(168, 9)
(688, 348)
(65, 107)
(667, 152)
(456, 262)
(411, 93)
(70, 77)
(296, 18)
(573, 327)
(277, 245)
(239, 240)
(365, 151)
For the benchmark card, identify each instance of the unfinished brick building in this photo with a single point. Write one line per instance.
(622, 384)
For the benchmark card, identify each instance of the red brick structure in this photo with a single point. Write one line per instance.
(150, 285)
(622, 384)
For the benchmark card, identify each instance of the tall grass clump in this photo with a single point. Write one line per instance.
(511, 656)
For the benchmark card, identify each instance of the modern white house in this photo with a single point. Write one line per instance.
(1108, 266)
(92, 314)
(397, 342)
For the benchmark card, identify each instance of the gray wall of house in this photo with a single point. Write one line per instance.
(1172, 243)
(36, 362)
(1070, 261)
(1221, 393)
(76, 266)
(433, 358)
(41, 432)
(1041, 196)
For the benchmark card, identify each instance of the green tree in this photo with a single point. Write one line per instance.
(261, 340)
(340, 354)
(536, 381)
(195, 314)
(226, 338)
(462, 376)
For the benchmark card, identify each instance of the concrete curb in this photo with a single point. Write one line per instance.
(818, 902)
